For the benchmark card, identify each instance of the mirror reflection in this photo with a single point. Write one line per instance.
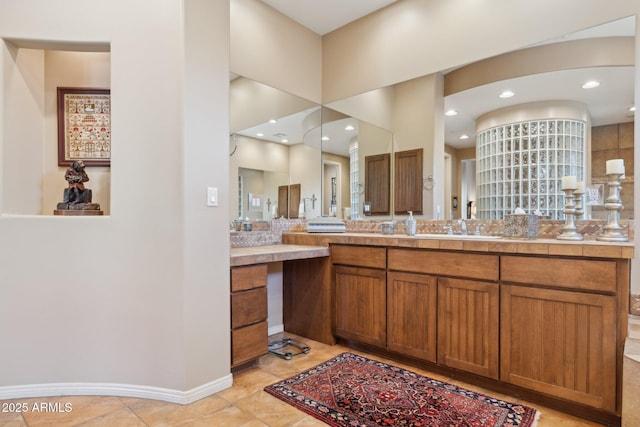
(291, 158)
(552, 71)
(274, 164)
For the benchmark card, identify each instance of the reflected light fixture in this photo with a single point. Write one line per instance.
(632, 108)
(325, 138)
(285, 140)
(451, 113)
(273, 121)
(463, 136)
(591, 84)
(349, 127)
(506, 94)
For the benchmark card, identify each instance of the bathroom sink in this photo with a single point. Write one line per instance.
(458, 236)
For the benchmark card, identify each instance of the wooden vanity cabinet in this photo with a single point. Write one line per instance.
(466, 336)
(468, 325)
(561, 341)
(360, 293)
(249, 329)
(411, 314)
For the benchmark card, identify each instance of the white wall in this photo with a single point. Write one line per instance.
(130, 298)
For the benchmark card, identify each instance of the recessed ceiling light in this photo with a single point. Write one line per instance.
(506, 94)
(451, 113)
(349, 127)
(632, 108)
(273, 121)
(259, 134)
(464, 136)
(325, 138)
(285, 140)
(590, 84)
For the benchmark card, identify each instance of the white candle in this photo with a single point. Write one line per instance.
(569, 183)
(615, 166)
(580, 187)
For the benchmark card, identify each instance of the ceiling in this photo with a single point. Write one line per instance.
(324, 16)
(608, 103)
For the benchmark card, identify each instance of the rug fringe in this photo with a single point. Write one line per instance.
(536, 419)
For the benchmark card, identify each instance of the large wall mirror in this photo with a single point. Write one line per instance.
(550, 71)
(291, 158)
(274, 159)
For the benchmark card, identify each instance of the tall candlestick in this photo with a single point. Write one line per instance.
(569, 230)
(569, 183)
(615, 167)
(613, 231)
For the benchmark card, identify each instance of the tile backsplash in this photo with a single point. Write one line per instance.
(547, 229)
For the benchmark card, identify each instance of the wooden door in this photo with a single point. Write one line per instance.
(411, 314)
(407, 185)
(361, 304)
(376, 183)
(283, 201)
(560, 343)
(294, 200)
(468, 325)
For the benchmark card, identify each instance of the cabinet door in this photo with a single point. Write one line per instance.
(411, 314)
(361, 313)
(560, 343)
(468, 325)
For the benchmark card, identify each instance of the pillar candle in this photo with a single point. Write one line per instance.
(569, 183)
(580, 187)
(615, 166)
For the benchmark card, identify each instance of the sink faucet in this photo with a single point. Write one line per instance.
(463, 226)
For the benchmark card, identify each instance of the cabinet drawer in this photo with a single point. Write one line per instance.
(253, 276)
(248, 343)
(472, 266)
(360, 256)
(248, 307)
(593, 275)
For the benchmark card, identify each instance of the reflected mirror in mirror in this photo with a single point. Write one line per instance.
(271, 146)
(347, 143)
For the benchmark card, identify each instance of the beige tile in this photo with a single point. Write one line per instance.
(120, 418)
(625, 135)
(308, 421)
(69, 410)
(270, 410)
(11, 419)
(230, 416)
(604, 137)
(157, 413)
(246, 383)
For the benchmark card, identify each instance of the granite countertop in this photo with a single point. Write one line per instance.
(274, 253)
(585, 248)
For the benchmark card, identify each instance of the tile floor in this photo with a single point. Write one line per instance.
(244, 404)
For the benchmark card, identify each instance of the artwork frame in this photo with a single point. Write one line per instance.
(84, 133)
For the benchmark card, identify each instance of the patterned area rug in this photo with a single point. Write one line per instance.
(351, 390)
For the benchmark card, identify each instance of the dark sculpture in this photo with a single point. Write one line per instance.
(76, 196)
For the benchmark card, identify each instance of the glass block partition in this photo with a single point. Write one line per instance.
(521, 165)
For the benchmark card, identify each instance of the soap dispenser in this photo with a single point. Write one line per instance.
(411, 225)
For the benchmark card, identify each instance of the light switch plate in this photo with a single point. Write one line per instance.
(212, 196)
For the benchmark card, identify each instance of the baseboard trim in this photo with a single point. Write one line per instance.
(120, 390)
(275, 329)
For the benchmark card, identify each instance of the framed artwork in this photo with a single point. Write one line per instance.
(84, 126)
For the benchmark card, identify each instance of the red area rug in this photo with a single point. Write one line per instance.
(351, 390)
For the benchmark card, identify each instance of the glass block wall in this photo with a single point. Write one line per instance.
(521, 165)
(354, 180)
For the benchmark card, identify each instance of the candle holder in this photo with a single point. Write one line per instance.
(569, 231)
(577, 194)
(613, 231)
